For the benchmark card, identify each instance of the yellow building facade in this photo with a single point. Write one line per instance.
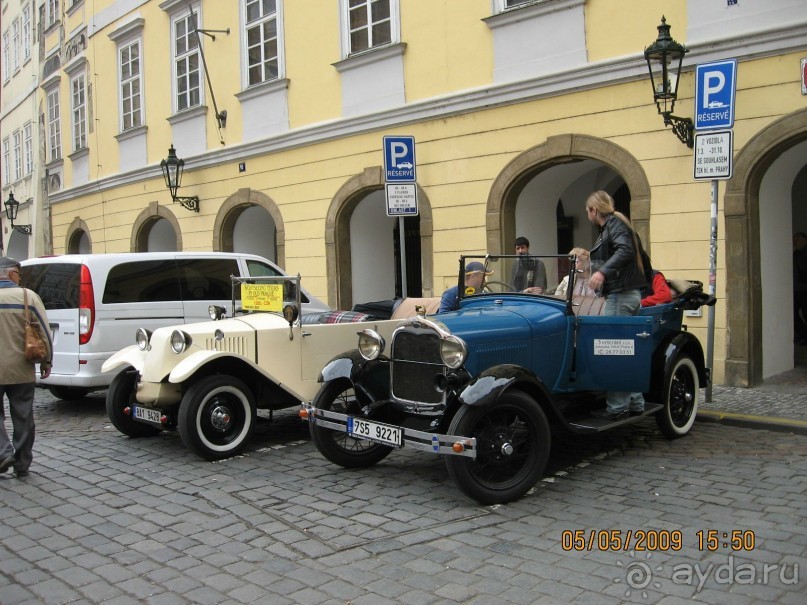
(519, 110)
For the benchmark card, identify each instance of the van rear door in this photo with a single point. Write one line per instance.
(58, 285)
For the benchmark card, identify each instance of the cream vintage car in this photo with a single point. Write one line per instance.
(208, 379)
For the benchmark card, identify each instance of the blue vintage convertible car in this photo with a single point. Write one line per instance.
(483, 384)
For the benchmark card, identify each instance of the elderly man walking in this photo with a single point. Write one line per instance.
(17, 374)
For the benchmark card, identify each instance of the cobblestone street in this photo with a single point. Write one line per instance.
(108, 519)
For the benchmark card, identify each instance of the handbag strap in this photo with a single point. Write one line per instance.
(27, 310)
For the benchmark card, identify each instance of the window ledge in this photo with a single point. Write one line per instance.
(79, 153)
(372, 55)
(54, 164)
(263, 88)
(187, 114)
(529, 11)
(131, 133)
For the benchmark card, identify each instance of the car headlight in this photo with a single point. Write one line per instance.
(216, 312)
(453, 351)
(180, 341)
(142, 338)
(371, 344)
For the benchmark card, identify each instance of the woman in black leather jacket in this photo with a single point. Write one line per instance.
(619, 276)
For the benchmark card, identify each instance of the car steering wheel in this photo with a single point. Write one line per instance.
(498, 287)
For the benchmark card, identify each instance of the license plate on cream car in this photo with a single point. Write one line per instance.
(147, 414)
(360, 428)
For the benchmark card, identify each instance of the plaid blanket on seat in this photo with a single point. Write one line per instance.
(343, 317)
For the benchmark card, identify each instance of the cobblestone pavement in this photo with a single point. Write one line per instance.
(107, 519)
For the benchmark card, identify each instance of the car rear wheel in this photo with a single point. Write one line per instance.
(119, 397)
(337, 446)
(681, 399)
(512, 443)
(217, 416)
(68, 393)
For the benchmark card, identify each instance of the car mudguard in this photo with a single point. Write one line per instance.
(668, 352)
(486, 388)
(368, 377)
(129, 356)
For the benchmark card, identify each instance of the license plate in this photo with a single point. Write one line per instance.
(374, 431)
(147, 414)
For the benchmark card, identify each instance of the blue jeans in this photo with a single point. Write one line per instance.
(623, 304)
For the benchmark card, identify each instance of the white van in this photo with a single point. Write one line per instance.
(96, 302)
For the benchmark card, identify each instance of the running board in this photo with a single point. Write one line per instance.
(590, 424)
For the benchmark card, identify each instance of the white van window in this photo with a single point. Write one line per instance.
(57, 284)
(142, 281)
(207, 278)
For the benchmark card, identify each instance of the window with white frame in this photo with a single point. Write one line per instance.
(17, 154)
(54, 126)
(16, 43)
(502, 5)
(51, 12)
(28, 148)
(26, 32)
(262, 43)
(6, 160)
(187, 74)
(79, 111)
(370, 23)
(131, 98)
(6, 56)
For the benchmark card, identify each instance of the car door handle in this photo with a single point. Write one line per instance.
(306, 334)
(643, 334)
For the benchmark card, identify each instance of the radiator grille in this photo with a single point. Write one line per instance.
(415, 364)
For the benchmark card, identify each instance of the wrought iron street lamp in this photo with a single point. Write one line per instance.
(669, 54)
(172, 168)
(12, 206)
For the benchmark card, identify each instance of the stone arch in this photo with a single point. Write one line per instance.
(742, 241)
(231, 209)
(337, 229)
(76, 228)
(140, 229)
(500, 219)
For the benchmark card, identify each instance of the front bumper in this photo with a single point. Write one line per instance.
(450, 445)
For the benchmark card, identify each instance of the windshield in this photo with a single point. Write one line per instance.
(526, 274)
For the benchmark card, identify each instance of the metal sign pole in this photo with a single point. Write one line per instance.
(402, 237)
(710, 335)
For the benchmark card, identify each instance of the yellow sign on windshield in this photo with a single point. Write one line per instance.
(262, 297)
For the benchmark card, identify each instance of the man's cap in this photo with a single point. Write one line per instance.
(477, 267)
(6, 262)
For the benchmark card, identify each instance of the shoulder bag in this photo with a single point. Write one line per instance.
(36, 351)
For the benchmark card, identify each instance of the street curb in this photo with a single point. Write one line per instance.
(769, 423)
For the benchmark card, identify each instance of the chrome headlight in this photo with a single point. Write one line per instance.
(453, 351)
(180, 341)
(142, 338)
(216, 312)
(371, 344)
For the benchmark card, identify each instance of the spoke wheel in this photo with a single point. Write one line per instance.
(681, 399)
(217, 417)
(337, 446)
(512, 440)
(121, 395)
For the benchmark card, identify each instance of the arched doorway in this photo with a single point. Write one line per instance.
(540, 194)
(764, 205)
(156, 229)
(78, 238)
(366, 267)
(250, 221)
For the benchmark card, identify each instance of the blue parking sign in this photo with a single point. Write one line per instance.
(399, 159)
(715, 89)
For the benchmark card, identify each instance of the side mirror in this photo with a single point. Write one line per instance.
(291, 313)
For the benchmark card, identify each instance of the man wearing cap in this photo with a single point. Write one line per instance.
(17, 374)
(475, 274)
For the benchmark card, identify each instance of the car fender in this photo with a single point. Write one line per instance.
(191, 364)
(368, 377)
(486, 388)
(668, 353)
(129, 356)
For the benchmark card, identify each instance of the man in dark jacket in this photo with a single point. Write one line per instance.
(17, 374)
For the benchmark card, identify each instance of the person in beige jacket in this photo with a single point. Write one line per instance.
(17, 374)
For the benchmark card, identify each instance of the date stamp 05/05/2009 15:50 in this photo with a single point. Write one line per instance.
(616, 540)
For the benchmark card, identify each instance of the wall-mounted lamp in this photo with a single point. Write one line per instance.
(172, 168)
(669, 54)
(12, 206)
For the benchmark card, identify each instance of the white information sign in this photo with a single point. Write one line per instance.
(402, 199)
(613, 346)
(714, 155)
